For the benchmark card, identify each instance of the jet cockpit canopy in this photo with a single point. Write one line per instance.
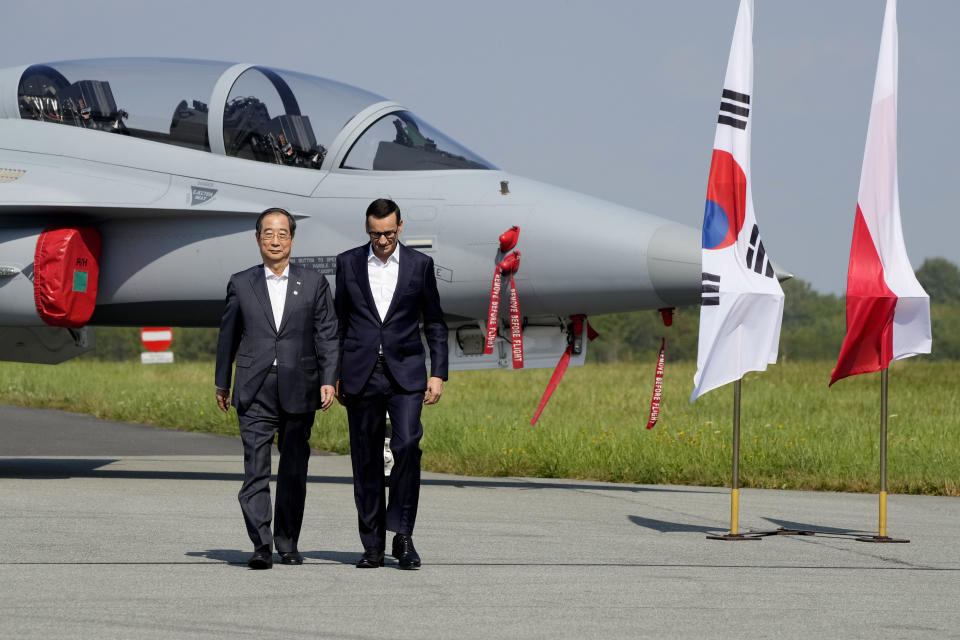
(155, 99)
(268, 115)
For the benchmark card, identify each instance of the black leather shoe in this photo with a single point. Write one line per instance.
(291, 557)
(403, 551)
(371, 559)
(261, 559)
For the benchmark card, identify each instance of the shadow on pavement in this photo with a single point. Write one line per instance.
(228, 556)
(341, 557)
(52, 468)
(816, 528)
(236, 557)
(663, 526)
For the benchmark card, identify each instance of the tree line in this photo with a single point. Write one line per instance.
(813, 327)
(814, 324)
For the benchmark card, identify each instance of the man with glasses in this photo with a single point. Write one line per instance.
(384, 291)
(280, 327)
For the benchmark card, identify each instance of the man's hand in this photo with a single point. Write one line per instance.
(327, 394)
(434, 391)
(223, 399)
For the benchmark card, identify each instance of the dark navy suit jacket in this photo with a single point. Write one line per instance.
(304, 345)
(362, 332)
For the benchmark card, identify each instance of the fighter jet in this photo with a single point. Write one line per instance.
(129, 188)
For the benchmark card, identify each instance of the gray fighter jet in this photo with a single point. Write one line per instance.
(165, 163)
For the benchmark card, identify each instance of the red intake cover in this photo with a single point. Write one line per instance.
(510, 264)
(65, 271)
(508, 239)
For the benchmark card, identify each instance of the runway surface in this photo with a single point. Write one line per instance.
(113, 530)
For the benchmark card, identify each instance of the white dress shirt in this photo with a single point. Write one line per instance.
(383, 279)
(277, 288)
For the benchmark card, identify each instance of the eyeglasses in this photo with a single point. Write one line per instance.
(282, 236)
(376, 235)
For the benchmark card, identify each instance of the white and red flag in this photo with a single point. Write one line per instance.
(741, 305)
(888, 312)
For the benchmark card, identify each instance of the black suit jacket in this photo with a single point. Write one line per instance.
(304, 345)
(362, 332)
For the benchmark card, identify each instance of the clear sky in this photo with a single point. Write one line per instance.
(617, 99)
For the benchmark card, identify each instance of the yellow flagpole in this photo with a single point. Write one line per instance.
(882, 528)
(735, 479)
(883, 454)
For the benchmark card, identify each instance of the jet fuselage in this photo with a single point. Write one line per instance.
(175, 210)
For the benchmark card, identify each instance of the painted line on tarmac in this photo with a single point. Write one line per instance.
(598, 565)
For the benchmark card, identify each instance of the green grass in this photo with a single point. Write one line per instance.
(795, 433)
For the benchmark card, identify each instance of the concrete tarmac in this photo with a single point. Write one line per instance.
(112, 530)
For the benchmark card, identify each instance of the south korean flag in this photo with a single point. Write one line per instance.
(741, 301)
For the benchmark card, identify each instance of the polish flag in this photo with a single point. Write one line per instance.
(888, 312)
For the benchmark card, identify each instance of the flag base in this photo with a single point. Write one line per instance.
(880, 539)
(734, 537)
(759, 535)
(782, 531)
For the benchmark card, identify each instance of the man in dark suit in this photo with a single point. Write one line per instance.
(384, 290)
(280, 326)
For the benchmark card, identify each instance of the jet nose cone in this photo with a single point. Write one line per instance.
(584, 255)
(595, 257)
(673, 262)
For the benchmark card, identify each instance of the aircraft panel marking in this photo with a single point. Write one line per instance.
(201, 195)
(325, 265)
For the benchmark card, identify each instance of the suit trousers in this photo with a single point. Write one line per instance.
(366, 414)
(258, 424)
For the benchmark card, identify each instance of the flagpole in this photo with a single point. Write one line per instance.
(882, 528)
(735, 478)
